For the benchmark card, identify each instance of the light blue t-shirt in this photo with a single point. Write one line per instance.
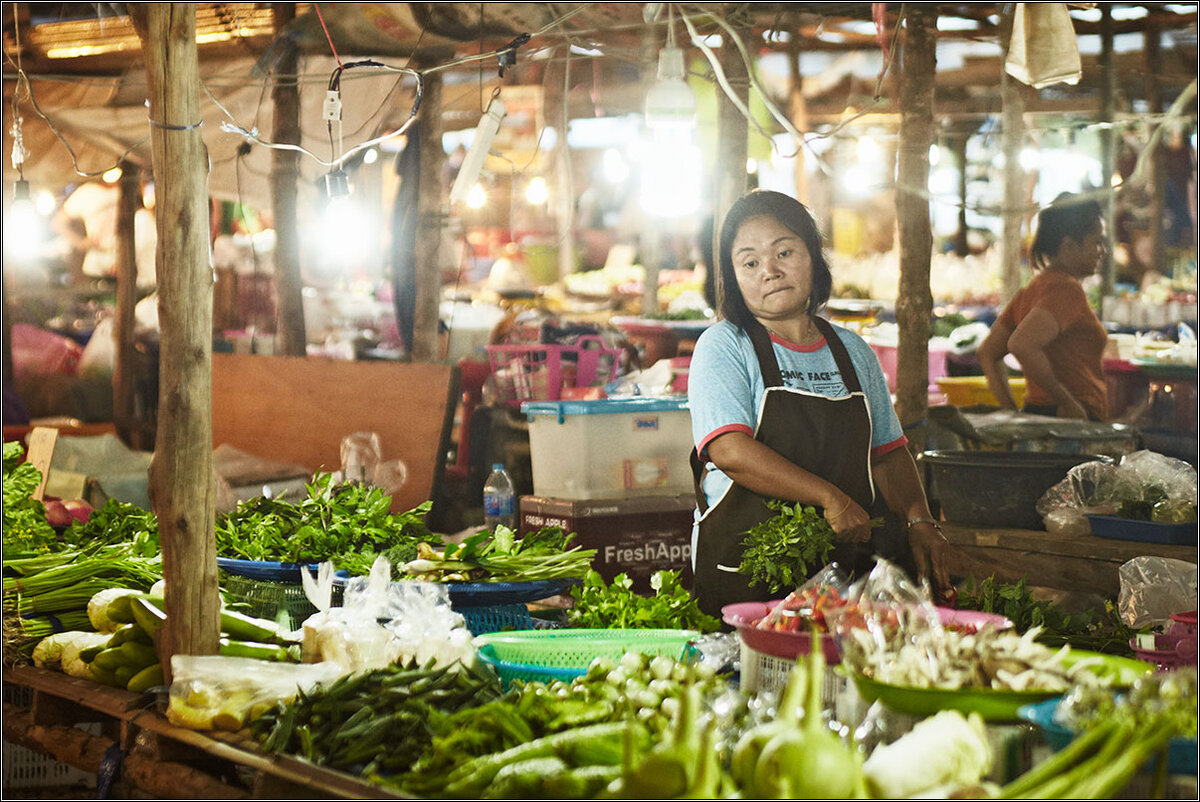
(725, 388)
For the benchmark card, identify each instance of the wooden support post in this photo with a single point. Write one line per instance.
(1108, 94)
(431, 217)
(798, 112)
(285, 173)
(557, 115)
(1158, 181)
(1013, 136)
(182, 488)
(914, 302)
(958, 141)
(732, 143)
(650, 235)
(123, 321)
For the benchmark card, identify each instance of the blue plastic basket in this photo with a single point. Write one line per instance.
(498, 618)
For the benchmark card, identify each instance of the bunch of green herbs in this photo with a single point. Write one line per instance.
(782, 551)
(343, 522)
(618, 606)
(117, 522)
(25, 526)
(1092, 629)
(500, 556)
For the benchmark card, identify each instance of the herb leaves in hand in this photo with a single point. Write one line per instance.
(783, 550)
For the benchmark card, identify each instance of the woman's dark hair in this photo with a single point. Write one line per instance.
(797, 219)
(1068, 215)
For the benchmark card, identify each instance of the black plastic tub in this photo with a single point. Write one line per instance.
(995, 488)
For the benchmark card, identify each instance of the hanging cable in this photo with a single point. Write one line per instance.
(328, 38)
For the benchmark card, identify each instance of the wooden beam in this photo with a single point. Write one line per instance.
(182, 487)
(1108, 99)
(914, 302)
(285, 173)
(431, 217)
(733, 132)
(1012, 137)
(124, 355)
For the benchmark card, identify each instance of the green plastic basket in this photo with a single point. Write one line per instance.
(563, 654)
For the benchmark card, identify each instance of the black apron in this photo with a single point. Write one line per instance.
(829, 437)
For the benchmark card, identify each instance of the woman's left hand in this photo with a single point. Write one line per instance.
(929, 547)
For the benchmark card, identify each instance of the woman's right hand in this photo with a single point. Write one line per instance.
(850, 522)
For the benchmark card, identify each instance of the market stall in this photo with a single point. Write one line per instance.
(333, 643)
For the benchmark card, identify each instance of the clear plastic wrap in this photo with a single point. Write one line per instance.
(1144, 486)
(212, 692)
(892, 632)
(362, 462)
(382, 622)
(815, 599)
(1152, 588)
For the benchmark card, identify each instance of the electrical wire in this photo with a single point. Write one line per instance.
(328, 38)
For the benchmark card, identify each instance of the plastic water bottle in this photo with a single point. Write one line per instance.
(499, 499)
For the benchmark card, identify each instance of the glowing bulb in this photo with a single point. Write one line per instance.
(22, 229)
(1028, 159)
(868, 150)
(537, 193)
(45, 203)
(935, 155)
(111, 176)
(371, 156)
(751, 167)
(614, 166)
(476, 197)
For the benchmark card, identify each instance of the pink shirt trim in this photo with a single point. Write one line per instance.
(879, 451)
(804, 349)
(733, 427)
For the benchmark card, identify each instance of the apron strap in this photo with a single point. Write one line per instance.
(698, 471)
(840, 355)
(767, 363)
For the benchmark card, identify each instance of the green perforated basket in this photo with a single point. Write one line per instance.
(563, 654)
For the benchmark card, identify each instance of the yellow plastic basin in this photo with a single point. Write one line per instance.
(967, 391)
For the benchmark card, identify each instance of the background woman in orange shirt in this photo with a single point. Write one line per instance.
(1049, 326)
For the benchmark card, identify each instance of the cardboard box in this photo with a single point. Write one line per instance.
(636, 536)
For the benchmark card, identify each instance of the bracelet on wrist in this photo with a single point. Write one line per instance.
(936, 524)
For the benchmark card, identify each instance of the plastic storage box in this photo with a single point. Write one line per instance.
(610, 448)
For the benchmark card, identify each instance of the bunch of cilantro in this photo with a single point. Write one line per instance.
(617, 606)
(346, 523)
(25, 526)
(782, 551)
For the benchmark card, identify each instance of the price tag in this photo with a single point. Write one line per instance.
(41, 449)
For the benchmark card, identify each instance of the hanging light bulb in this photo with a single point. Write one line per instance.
(111, 176)
(22, 231)
(477, 197)
(671, 169)
(537, 192)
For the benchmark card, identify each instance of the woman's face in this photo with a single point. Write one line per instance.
(1082, 257)
(773, 269)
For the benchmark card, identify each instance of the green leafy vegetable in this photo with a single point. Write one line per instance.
(347, 523)
(115, 523)
(1093, 630)
(617, 606)
(783, 550)
(499, 556)
(25, 525)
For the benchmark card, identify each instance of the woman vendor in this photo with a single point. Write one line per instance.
(1049, 326)
(787, 406)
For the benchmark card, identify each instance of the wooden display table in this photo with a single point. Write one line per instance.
(1074, 563)
(160, 758)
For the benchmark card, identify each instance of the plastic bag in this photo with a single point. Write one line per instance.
(1152, 588)
(211, 692)
(362, 462)
(812, 602)
(1145, 486)
(99, 355)
(381, 622)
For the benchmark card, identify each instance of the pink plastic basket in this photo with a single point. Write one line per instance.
(1177, 647)
(539, 372)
